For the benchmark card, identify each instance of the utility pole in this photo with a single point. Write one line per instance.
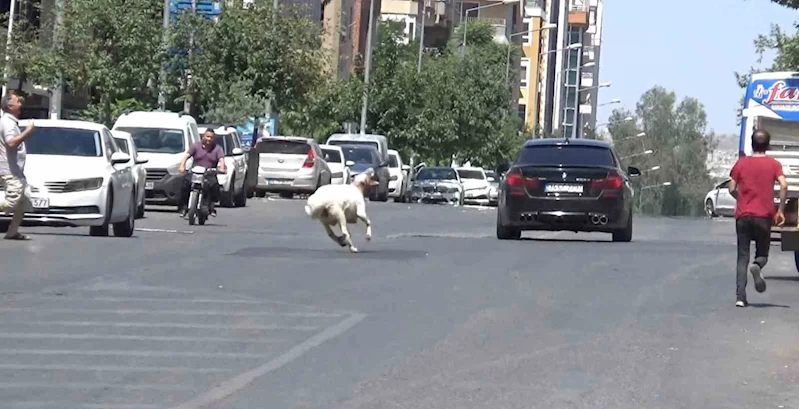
(187, 101)
(421, 37)
(368, 65)
(270, 96)
(162, 80)
(58, 42)
(8, 45)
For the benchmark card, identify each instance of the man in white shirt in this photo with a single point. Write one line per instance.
(12, 163)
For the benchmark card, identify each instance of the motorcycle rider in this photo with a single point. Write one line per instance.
(209, 155)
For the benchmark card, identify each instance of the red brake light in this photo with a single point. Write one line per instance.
(309, 160)
(531, 182)
(610, 183)
(514, 180)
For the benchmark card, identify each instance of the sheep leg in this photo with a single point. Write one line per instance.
(338, 239)
(339, 215)
(362, 215)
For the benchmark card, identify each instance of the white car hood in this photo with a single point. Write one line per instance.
(162, 160)
(45, 168)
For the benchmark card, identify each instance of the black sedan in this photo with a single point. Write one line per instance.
(361, 157)
(566, 184)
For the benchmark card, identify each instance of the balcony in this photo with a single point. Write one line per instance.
(586, 79)
(578, 13)
(533, 8)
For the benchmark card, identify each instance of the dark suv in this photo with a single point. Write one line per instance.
(566, 184)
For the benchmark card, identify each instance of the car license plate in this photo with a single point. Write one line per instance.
(148, 185)
(40, 203)
(564, 188)
(278, 182)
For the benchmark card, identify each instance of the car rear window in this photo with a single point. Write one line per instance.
(332, 156)
(470, 174)
(286, 147)
(392, 161)
(566, 155)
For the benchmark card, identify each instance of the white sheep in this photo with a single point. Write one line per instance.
(342, 204)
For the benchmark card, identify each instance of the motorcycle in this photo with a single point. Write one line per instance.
(200, 196)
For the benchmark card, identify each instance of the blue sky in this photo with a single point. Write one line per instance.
(690, 47)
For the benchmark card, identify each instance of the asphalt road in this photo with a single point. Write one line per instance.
(260, 309)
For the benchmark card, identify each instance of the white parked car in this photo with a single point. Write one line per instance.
(334, 156)
(78, 176)
(233, 190)
(719, 201)
(398, 183)
(125, 143)
(476, 189)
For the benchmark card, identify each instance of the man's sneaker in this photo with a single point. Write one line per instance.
(760, 283)
(740, 303)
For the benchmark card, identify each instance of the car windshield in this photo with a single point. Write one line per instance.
(123, 145)
(364, 156)
(361, 143)
(471, 174)
(284, 147)
(226, 143)
(437, 174)
(552, 155)
(64, 141)
(392, 161)
(157, 140)
(332, 155)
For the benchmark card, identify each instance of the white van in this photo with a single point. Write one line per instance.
(162, 138)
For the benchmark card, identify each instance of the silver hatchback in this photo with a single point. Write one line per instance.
(289, 165)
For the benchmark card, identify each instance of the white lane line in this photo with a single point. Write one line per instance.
(43, 310)
(62, 405)
(248, 340)
(91, 385)
(155, 299)
(163, 230)
(230, 386)
(143, 354)
(114, 324)
(110, 368)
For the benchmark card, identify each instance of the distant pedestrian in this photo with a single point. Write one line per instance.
(12, 163)
(752, 185)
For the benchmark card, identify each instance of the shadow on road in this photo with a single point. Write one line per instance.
(766, 305)
(783, 278)
(328, 254)
(562, 240)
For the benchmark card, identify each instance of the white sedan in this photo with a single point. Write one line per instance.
(126, 144)
(78, 176)
(340, 172)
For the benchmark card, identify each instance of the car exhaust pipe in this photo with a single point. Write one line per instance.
(603, 220)
(594, 219)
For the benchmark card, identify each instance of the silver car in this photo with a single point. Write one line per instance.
(437, 185)
(289, 165)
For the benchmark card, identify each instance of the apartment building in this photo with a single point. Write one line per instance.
(345, 24)
(570, 77)
(530, 62)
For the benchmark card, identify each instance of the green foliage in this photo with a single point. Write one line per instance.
(676, 132)
(794, 4)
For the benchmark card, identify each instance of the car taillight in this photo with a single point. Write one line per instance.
(532, 183)
(309, 160)
(609, 183)
(514, 180)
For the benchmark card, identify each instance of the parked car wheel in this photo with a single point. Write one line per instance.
(710, 211)
(140, 208)
(226, 198)
(125, 228)
(240, 199)
(102, 231)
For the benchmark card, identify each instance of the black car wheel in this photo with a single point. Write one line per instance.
(506, 232)
(625, 234)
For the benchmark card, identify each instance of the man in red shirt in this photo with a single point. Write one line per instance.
(752, 185)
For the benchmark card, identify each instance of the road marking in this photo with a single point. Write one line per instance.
(241, 381)
(60, 405)
(89, 385)
(307, 328)
(155, 299)
(163, 230)
(139, 338)
(111, 368)
(169, 312)
(144, 354)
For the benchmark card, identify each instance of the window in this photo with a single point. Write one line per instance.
(471, 174)
(574, 58)
(123, 145)
(411, 32)
(285, 147)
(467, 6)
(567, 131)
(571, 77)
(522, 111)
(156, 140)
(571, 96)
(574, 35)
(569, 117)
(332, 155)
(527, 26)
(524, 73)
(64, 142)
(566, 155)
(110, 145)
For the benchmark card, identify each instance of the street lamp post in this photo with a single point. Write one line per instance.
(466, 17)
(627, 119)
(646, 152)
(538, 74)
(421, 36)
(612, 101)
(548, 26)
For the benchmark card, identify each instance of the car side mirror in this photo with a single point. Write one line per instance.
(237, 152)
(119, 157)
(142, 161)
(633, 171)
(406, 168)
(349, 163)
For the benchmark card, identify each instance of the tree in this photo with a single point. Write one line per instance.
(794, 4)
(677, 134)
